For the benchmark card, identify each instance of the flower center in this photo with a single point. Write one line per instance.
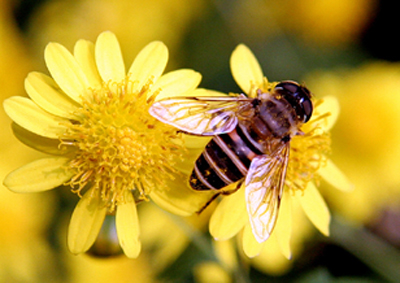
(308, 153)
(119, 145)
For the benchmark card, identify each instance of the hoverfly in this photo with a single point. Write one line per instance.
(251, 143)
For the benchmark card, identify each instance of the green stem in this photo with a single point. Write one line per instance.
(370, 249)
(198, 238)
(204, 245)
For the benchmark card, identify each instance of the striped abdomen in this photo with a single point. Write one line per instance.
(225, 160)
(227, 157)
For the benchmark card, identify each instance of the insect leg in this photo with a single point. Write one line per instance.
(208, 202)
(221, 192)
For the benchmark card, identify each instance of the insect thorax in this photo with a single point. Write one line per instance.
(274, 119)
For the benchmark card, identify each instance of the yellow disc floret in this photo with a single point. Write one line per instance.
(308, 152)
(119, 145)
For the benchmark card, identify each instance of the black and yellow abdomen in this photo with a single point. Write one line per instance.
(227, 157)
(225, 160)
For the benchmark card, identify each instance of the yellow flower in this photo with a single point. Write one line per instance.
(92, 118)
(307, 163)
(366, 137)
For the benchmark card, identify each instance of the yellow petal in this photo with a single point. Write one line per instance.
(40, 143)
(283, 229)
(179, 198)
(186, 165)
(329, 105)
(251, 246)
(332, 174)
(84, 54)
(270, 260)
(66, 71)
(315, 208)
(245, 68)
(46, 93)
(39, 175)
(229, 217)
(149, 63)
(86, 221)
(127, 224)
(28, 115)
(177, 83)
(109, 58)
(196, 142)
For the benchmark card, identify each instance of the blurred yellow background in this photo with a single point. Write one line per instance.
(337, 48)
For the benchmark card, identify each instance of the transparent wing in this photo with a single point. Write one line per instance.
(264, 189)
(202, 115)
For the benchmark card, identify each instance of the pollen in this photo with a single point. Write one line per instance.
(119, 146)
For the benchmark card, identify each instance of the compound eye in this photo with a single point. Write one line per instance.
(304, 106)
(307, 109)
(287, 87)
(299, 97)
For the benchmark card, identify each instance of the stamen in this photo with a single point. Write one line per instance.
(308, 154)
(118, 143)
